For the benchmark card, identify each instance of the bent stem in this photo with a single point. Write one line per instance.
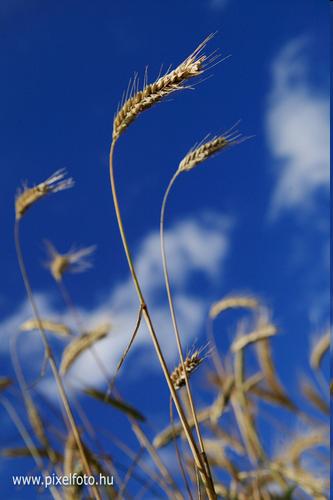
(51, 360)
(145, 312)
(174, 320)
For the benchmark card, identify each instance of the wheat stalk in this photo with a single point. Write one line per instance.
(53, 184)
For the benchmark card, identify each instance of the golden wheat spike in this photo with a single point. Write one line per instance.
(29, 196)
(233, 302)
(153, 93)
(80, 344)
(208, 149)
(74, 261)
(191, 363)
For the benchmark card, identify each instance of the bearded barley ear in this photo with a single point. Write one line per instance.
(141, 100)
(29, 196)
(233, 302)
(81, 344)
(74, 261)
(209, 148)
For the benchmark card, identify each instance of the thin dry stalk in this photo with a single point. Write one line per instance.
(195, 157)
(243, 414)
(146, 315)
(28, 442)
(80, 344)
(50, 357)
(170, 485)
(27, 197)
(32, 412)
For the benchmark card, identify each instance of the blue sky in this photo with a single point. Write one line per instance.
(253, 219)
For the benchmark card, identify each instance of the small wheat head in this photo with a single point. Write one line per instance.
(29, 196)
(204, 151)
(191, 363)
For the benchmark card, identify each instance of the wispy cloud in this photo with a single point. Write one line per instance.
(298, 131)
(194, 246)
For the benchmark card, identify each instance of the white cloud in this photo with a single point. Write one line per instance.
(298, 131)
(193, 246)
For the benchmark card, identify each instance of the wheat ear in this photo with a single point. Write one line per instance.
(27, 197)
(152, 93)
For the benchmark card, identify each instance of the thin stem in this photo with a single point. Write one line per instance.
(28, 442)
(50, 357)
(29, 401)
(197, 457)
(110, 382)
(179, 458)
(174, 320)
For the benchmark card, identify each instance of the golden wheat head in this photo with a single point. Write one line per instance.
(191, 363)
(29, 196)
(210, 148)
(74, 261)
(152, 93)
